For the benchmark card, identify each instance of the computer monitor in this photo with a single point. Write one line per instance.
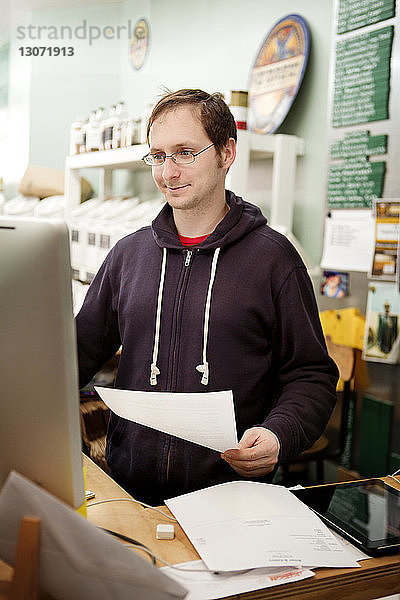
(39, 397)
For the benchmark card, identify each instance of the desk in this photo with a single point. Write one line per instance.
(375, 578)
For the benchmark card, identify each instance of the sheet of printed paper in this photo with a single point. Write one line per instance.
(203, 585)
(205, 418)
(356, 553)
(246, 525)
(349, 240)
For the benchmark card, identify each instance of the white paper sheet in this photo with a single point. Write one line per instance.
(356, 553)
(349, 240)
(205, 418)
(210, 586)
(246, 525)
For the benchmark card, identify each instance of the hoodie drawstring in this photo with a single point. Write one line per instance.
(204, 368)
(154, 370)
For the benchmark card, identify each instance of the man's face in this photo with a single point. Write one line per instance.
(187, 187)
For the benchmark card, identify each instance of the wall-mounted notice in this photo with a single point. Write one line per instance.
(354, 14)
(356, 182)
(387, 231)
(358, 144)
(362, 78)
(349, 240)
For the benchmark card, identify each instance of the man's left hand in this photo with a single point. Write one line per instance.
(256, 455)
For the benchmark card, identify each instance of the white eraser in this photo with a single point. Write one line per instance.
(165, 532)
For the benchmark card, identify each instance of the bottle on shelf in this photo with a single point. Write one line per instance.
(238, 107)
(82, 148)
(100, 119)
(76, 136)
(143, 125)
(100, 132)
(92, 132)
(132, 132)
(108, 125)
(119, 125)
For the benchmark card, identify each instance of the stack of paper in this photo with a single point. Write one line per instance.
(246, 525)
(203, 585)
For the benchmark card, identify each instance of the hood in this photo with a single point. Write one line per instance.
(241, 219)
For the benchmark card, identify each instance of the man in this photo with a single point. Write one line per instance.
(208, 298)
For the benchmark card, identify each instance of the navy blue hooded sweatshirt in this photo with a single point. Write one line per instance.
(259, 335)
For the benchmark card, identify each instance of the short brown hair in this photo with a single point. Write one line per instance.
(215, 116)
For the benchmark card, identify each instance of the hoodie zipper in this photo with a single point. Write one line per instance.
(188, 258)
(189, 254)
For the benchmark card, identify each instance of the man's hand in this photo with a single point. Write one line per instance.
(257, 453)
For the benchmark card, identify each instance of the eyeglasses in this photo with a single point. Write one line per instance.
(183, 157)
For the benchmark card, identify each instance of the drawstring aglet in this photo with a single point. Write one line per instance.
(154, 371)
(203, 368)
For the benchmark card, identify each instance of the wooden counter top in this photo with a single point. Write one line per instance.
(375, 578)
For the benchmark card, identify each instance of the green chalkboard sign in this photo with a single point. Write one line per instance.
(354, 14)
(358, 144)
(355, 184)
(362, 78)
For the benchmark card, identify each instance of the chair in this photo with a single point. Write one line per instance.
(322, 449)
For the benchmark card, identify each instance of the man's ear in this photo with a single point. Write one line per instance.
(228, 153)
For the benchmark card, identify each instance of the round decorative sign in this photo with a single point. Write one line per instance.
(277, 73)
(139, 43)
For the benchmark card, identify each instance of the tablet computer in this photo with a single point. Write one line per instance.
(366, 512)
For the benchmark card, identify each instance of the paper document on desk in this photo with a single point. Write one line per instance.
(246, 525)
(205, 418)
(203, 585)
(355, 552)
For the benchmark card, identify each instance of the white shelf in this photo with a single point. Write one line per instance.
(282, 149)
(106, 161)
(266, 146)
(120, 158)
(260, 146)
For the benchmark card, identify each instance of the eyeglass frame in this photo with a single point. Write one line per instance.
(194, 154)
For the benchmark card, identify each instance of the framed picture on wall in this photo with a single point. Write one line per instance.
(277, 73)
(382, 329)
(139, 44)
(334, 284)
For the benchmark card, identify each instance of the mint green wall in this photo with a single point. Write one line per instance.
(66, 87)
(209, 44)
(212, 44)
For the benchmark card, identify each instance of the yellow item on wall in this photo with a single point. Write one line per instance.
(345, 327)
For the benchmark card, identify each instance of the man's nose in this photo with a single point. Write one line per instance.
(170, 169)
